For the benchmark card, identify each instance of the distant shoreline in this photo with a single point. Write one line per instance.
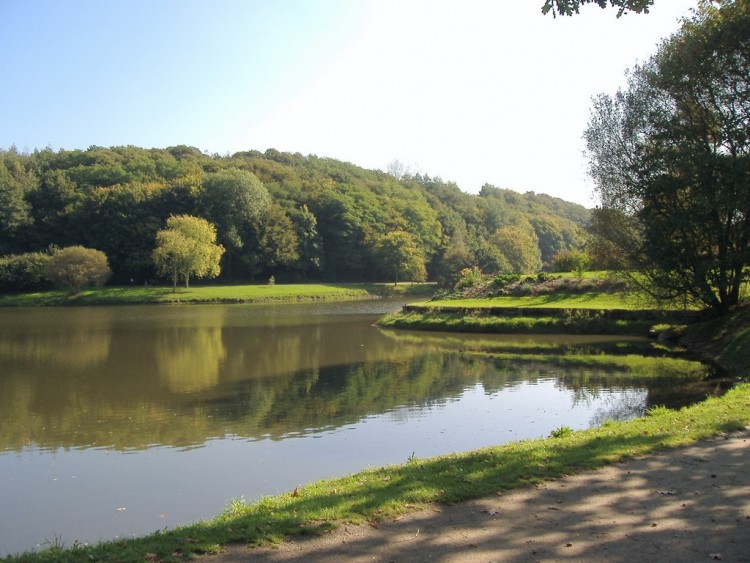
(218, 294)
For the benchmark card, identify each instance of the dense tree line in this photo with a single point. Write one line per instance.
(276, 214)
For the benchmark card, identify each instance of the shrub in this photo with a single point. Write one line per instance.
(470, 277)
(561, 432)
(502, 281)
(571, 261)
(76, 267)
(23, 272)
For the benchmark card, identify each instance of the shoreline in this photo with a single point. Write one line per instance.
(689, 503)
(286, 516)
(219, 294)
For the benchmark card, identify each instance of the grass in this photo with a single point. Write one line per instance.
(378, 493)
(727, 340)
(590, 300)
(134, 295)
(573, 323)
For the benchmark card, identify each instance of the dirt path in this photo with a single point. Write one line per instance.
(690, 504)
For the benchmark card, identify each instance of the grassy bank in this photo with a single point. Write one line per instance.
(378, 493)
(578, 322)
(589, 300)
(589, 312)
(726, 341)
(374, 494)
(138, 295)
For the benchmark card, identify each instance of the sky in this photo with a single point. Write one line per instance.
(471, 91)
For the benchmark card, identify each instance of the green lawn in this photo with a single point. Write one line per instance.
(593, 300)
(133, 295)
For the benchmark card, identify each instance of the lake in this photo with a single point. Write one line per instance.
(120, 421)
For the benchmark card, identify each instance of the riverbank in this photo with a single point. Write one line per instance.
(547, 305)
(377, 495)
(682, 505)
(160, 295)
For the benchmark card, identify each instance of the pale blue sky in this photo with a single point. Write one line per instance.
(473, 91)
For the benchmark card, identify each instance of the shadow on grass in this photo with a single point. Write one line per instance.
(375, 494)
(675, 507)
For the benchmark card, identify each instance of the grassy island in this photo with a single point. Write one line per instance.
(545, 305)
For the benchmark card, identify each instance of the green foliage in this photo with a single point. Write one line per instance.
(401, 257)
(278, 238)
(14, 209)
(504, 280)
(570, 7)
(670, 156)
(455, 257)
(23, 272)
(122, 221)
(571, 261)
(310, 245)
(469, 277)
(520, 247)
(287, 215)
(187, 247)
(562, 432)
(76, 267)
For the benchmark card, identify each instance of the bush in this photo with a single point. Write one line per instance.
(501, 281)
(571, 261)
(76, 267)
(470, 277)
(23, 272)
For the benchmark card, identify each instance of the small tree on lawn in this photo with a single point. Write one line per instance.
(187, 247)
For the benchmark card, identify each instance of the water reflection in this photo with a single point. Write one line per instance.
(130, 379)
(188, 359)
(174, 410)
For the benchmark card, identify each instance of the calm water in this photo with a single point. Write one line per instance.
(117, 422)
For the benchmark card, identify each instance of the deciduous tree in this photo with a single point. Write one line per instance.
(278, 239)
(310, 242)
(520, 247)
(14, 209)
(234, 200)
(570, 7)
(400, 256)
(187, 247)
(670, 156)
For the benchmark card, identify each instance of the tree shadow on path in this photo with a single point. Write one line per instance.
(688, 504)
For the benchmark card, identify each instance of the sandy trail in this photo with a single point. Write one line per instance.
(689, 504)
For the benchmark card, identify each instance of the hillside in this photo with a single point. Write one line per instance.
(291, 216)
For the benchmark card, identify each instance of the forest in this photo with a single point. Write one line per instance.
(280, 215)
